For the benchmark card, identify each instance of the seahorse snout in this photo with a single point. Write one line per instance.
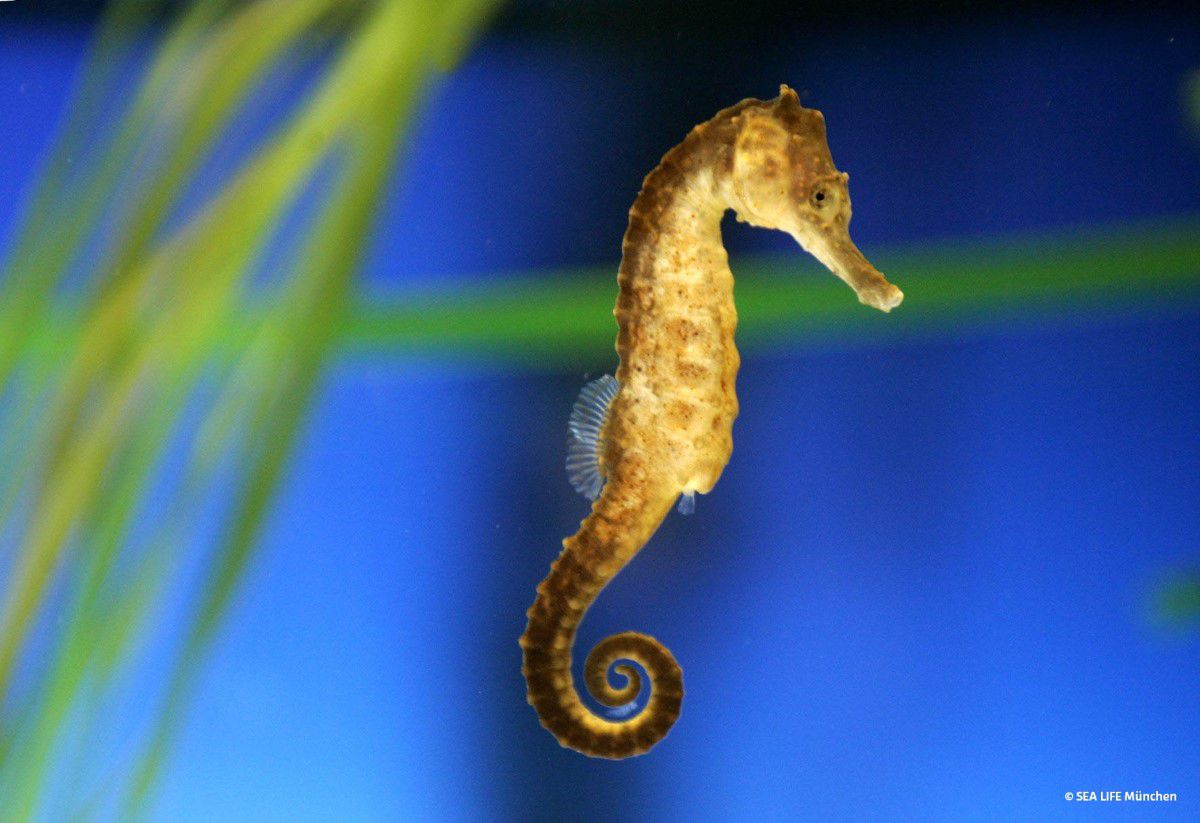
(833, 247)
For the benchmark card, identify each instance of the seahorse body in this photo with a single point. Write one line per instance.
(669, 429)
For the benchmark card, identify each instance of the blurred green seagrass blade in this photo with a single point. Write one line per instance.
(151, 354)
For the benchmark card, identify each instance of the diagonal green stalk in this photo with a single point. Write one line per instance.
(159, 318)
(237, 54)
(240, 53)
(65, 211)
(203, 273)
(318, 308)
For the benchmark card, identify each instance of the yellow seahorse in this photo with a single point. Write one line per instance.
(662, 430)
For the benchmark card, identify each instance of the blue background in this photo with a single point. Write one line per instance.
(921, 590)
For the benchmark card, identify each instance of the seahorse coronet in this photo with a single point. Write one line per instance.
(669, 429)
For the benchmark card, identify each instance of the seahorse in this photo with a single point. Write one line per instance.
(662, 430)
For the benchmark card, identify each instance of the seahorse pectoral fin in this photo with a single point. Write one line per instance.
(687, 503)
(584, 431)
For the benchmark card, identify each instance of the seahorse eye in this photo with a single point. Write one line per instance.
(819, 198)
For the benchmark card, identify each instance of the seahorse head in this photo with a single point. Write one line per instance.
(783, 177)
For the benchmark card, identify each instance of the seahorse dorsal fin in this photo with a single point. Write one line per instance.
(583, 441)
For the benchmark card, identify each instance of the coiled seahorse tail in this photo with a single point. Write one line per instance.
(588, 561)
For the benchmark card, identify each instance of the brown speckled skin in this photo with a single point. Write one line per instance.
(670, 428)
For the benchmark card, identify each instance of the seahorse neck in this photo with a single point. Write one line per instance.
(682, 200)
